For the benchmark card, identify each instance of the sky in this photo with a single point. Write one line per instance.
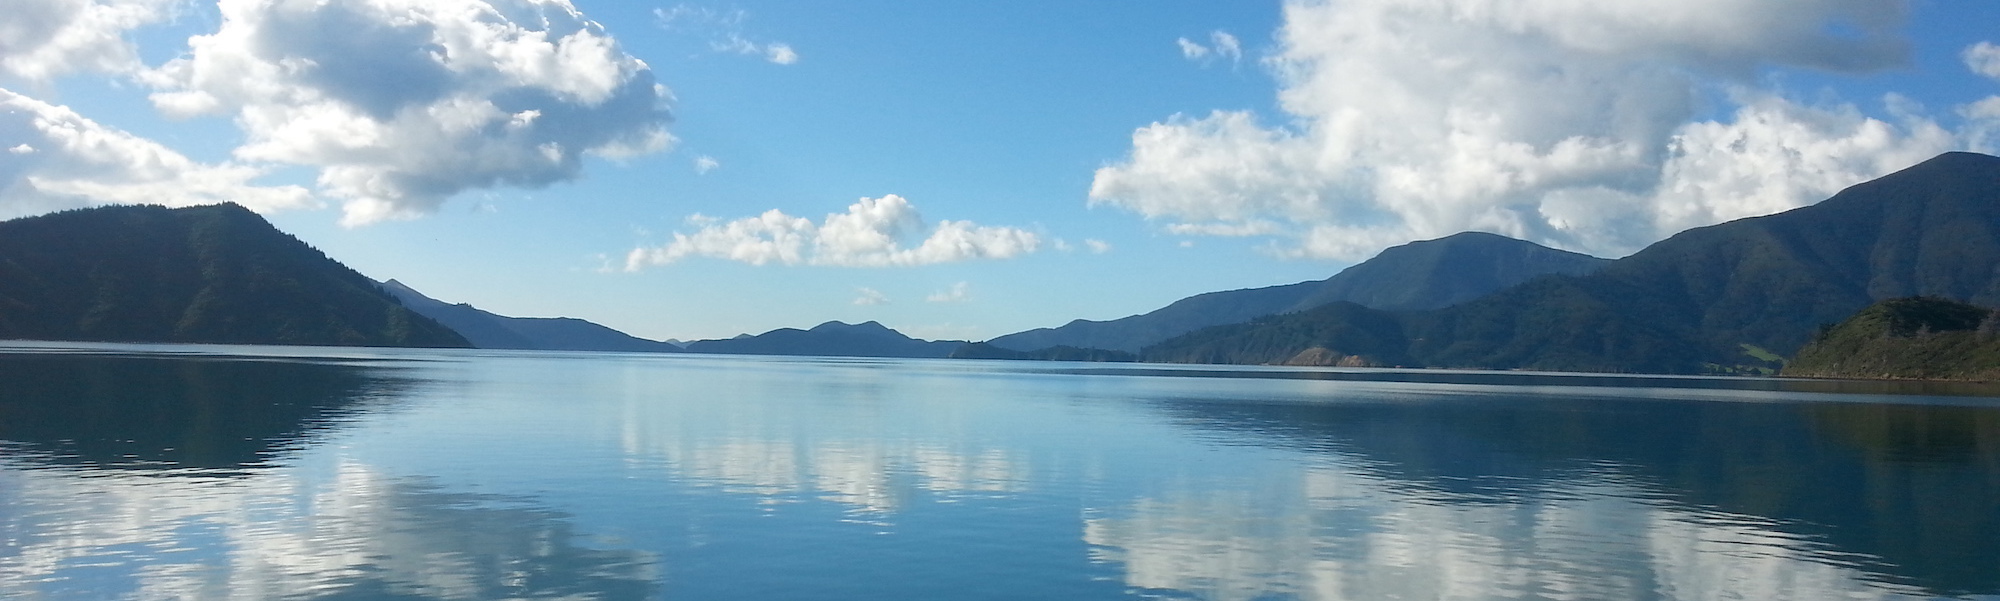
(694, 170)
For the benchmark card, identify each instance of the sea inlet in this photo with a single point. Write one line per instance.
(236, 472)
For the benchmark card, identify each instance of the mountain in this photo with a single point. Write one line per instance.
(833, 339)
(981, 350)
(210, 274)
(488, 330)
(1907, 338)
(1728, 297)
(1426, 274)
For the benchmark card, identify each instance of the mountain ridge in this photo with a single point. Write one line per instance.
(1453, 269)
(488, 330)
(206, 274)
(1714, 298)
(832, 338)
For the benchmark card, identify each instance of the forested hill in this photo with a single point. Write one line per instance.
(1907, 338)
(211, 274)
(489, 330)
(1426, 274)
(832, 339)
(1717, 298)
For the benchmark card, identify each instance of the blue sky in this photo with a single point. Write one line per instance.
(965, 171)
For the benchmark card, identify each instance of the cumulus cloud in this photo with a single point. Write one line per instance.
(704, 164)
(874, 232)
(41, 39)
(1984, 59)
(1097, 246)
(958, 293)
(401, 104)
(1575, 124)
(870, 297)
(1983, 117)
(64, 160)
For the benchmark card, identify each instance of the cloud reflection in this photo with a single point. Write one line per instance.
(875, 476)
(355, 534)
(828, 450)
(1340, 533)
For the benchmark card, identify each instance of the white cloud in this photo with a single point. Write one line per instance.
(1984, 59)
(870, 297)
(958, 293)
(1192, 50)
(724, 28)
(1983, 125)
(1221, 45)
(781, 54)
(401, 104)
(1097, 246)
(874, 232)
(41, 39)
(67, 161)
(704, 164)
(1569, 123)
(1226, 46)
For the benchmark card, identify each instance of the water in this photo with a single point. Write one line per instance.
(190, 472)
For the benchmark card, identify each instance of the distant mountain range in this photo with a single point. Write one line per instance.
(833, 338)
(1738, 297)
(212, 274)
(489, 330)
(1732, 297)
(1427, 274)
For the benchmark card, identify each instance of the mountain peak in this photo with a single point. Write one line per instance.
(833, 338)
(213, 273)
(872, 328)
(1960, 159)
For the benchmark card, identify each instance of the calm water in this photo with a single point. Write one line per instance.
(180, 472)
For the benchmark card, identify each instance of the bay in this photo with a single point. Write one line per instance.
(217, 472)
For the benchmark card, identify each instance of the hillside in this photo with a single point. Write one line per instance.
(1907, 338)
(1712, 298)
(981, 350)
(211, 274)
(1426, 274)
(832, 339)
(489, 330)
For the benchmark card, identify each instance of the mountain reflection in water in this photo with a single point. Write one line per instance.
(254, 473)
(1910, 491)
(175, 412)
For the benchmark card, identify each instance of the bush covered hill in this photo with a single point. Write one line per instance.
(981, 350)
(1907, 338)
(212, 274)
(1723, 298)
(1427, 274)
(833, 338)
(490, 330)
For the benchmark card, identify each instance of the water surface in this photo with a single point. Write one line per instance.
(206, 472)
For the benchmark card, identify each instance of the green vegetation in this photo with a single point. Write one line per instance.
(1326, 335)
(1907, 338)
(1688, 304)
(831, 339)
(1426, 274)
(981, 350)
(213, 274)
